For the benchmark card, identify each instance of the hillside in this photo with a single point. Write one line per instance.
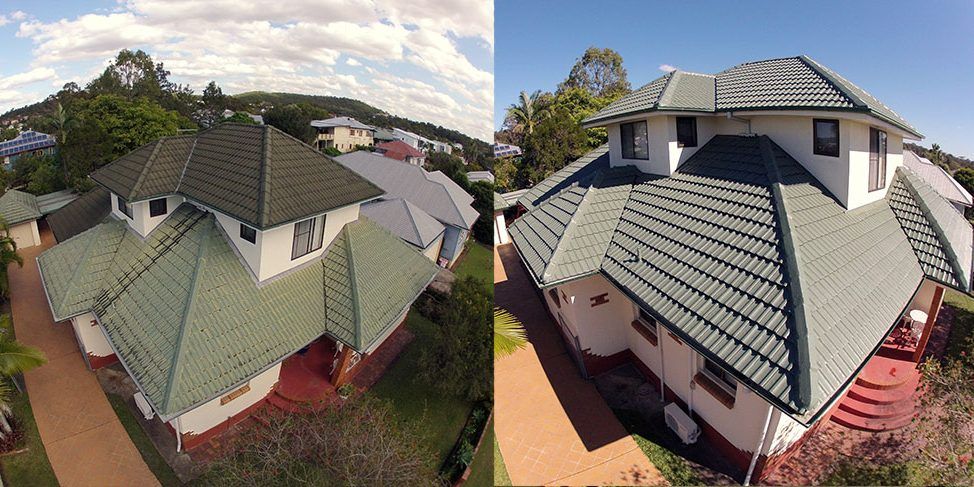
(953, 162)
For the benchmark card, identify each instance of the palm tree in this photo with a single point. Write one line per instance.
(525, 114)
(509, 333)
(63, 122)
(8, 255)
(15, 358)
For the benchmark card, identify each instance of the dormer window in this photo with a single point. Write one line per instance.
(635, 140)
(124, 207)
(248, 234)
(158, 207)
(686, 131)
(826, 135)
(308, 235)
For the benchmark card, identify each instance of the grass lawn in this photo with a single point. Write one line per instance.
(31, 466)
(658, 448)
(963, 326)
(500, 470)
(482, 467)
(477, 262)
(440, 417)
(152, 458)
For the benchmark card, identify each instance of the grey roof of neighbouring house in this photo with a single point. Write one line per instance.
(341, 122)
(405, 220)
(51, 202)
(743, 254)
(434, 192)
(938, 177)
(254, 173)
(88, 210)
(794, 83)
(18, 207)
(188, 322)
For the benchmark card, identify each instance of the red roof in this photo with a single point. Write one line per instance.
(398, 150)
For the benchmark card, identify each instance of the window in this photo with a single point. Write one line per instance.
(686, 131)
(124, 207)
(157, 207)
(248, 234)
(553, 292)
(646, 326)
(826, 134)
(877, 159)
(307, 236)
(723, 379)
(635, 141)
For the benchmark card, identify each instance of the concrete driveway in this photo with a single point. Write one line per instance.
(85, 442)
(552, 426)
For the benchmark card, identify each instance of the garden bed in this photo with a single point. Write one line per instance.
(456, 468)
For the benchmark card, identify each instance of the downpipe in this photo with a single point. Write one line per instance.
(730, 116)
(757, 451)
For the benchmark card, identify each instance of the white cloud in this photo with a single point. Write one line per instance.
(14, 16)
(296, 46)
(667, 68)
(23, 79)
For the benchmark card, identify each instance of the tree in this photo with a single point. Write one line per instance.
(46, 178)
(523, 116)
(213, 103)
(63, 122)
(450, 165)
(937, 156)
(359, 443)
(8, 255)
(600, 72)
(128, 124)
(15, 358)
(295, 120)
(557, 141)
(132, 74)
(965, 176)
(460, 362)
(239, 117)
(509, 334)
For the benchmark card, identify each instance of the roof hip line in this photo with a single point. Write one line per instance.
(791, 253)
(145, 169)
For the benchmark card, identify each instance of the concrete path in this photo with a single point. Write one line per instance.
(552, 426)
(85, 441)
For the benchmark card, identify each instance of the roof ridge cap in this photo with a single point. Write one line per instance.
(188, 311)
(263, 184)
(666, 86)
(792, 265)
(832, 80)
(449, 195)
(149, 161)
(572, 222)
(353, 288)
(182, 174)
(74, 274)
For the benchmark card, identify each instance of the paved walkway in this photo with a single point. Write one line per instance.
(85, 442)
(552, 426)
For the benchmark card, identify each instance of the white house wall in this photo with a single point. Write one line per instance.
(140, 221)
(90, 336)
(25, 234)
(432, 251)
(501, 236)
(212, 413)
(601, 328)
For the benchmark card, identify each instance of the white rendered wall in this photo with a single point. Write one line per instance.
(601, 329)
(25, 234)
(141, 222)
(90, 336)
(501, 236)
(212, 413)
(432, 252)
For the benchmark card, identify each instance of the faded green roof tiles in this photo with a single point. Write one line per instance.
(18, 207)
(189, 323)
(774, 84)
(88, 210)
(254, 173)
(579, 172)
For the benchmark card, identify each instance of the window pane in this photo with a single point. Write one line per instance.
(877, 159)
(826, 137)
(626, 136)
(157, 207)
(248, 234)
(686, 131)
(319, 231)
(302, 238)
(635, 142)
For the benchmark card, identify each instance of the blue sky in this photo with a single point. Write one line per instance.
(429, 60)
(918, 58)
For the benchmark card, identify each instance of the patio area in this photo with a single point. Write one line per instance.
(305, 380)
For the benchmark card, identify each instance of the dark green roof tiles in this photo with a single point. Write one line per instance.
(255, 173)
(774, 84)
(81, 214)
(18, 207)
(189, 322)
(579, 172)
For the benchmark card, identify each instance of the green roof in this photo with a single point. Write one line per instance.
(187, 319)
(795, 83)
(746, 256)
(254, 173)
(81, 214)
(579, 172)
(18, 207)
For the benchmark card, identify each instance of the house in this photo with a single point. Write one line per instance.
(432, 192)
(228, 255)
(939, 179)
(501, 236)
(474, 176)
(26, 143)
(410, 223)
(422, 143)
(754, 243)
(401, 152)
(20, 211)
(342, 133)
(506, 150)
(383, 135)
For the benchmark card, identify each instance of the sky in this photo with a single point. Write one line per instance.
(427, 60)
(916, 57)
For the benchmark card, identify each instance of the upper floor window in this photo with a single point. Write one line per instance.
(686, 131)
(248, 234)
(158, 207)
(721, 377)
(308, 235)
(826, 134)
(877, 159)
(635, 140)
(124, 207)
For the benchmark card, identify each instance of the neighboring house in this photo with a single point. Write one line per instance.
(432, 192)
(501, 236)
(21, 211)
(506, 150)
(749, 240)
(227, 252)
(940, 179)
(342, 133)
(383, 135)
(410, 223)
(402, 152)
(27, 143)
(422, 143)
(474, 176)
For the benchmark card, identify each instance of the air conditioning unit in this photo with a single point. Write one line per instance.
(681, 424)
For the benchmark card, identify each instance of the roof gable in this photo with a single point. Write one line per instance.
(404, 219)
(18, 207)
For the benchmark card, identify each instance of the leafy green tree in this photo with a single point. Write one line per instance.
(8, 133)
(483, 202)
(213, 103)
(580, 104)
(557, 141)
(46, 177)
(295, 120)
(63, 122)
(965, 176)
(505, 172)
(239, 117)
(8, 255)
(131, 74)
(600, 72)
(509, 334)
(332, 151)
(450, 165)
(525, 114)
(129, 124)
(461, 363)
